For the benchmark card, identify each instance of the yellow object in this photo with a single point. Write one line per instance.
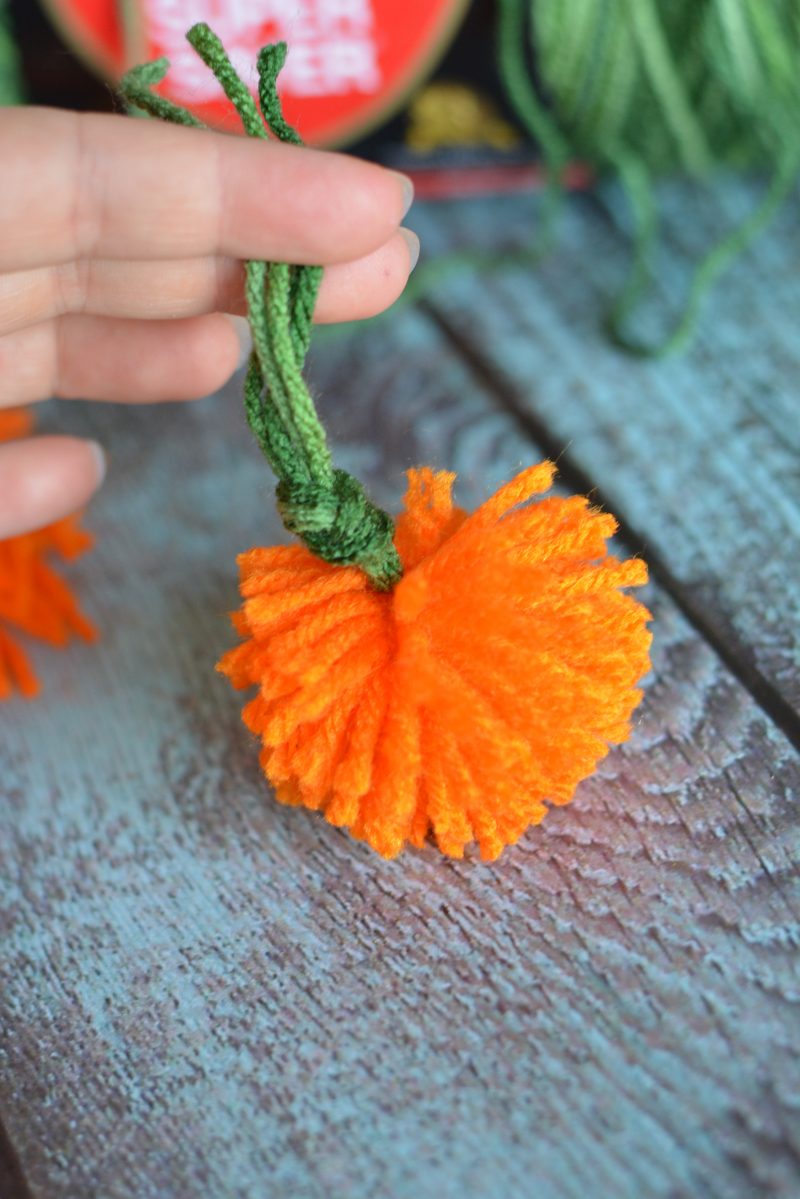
(450, 114)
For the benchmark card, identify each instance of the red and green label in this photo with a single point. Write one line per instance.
(350, 64)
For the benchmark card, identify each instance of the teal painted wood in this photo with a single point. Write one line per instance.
(700, 453)
(204, 993)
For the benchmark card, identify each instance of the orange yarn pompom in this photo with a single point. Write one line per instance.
(485, 686)
(33, 599)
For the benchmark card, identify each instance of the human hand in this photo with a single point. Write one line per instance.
(122, 252)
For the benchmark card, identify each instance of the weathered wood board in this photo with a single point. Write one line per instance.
(700, 452)
(204, 993)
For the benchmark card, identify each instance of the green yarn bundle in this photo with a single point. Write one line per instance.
(648, 88)
(327, 508)
(10, 90)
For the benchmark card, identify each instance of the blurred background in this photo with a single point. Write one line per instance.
(486, 98)
(412, 84)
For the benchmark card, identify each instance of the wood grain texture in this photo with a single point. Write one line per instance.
(206, 994)
(700, 453)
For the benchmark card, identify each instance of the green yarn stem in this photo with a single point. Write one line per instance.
(327, 508)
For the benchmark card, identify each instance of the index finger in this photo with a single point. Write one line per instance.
(91, 185)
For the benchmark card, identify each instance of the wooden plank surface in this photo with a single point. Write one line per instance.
(701, 452)
(207, 994)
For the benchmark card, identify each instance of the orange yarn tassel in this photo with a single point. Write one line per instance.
(485, 686)
(33, 599)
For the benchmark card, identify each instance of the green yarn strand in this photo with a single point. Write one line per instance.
(520, 89)
(276, 444)
(638, 188)
(10, 76)
(642, 89)
(207, 45)
(271, 60)
(136, 87)
(305, 280)
(327, 508)
(310, 434)
(707, 273)
(276, 424)
(668, 89)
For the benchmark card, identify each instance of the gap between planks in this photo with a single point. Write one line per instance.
(13, 1184)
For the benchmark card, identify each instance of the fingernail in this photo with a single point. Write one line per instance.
(412, 241)
(242, 330)
(408, 192)
(101, 461)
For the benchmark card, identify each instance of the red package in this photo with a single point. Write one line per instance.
(351, 63)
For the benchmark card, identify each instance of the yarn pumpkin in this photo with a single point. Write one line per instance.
(34, 600)
(445, 674)
(489, 682)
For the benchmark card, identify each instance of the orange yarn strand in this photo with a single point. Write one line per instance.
(34, 600)
(459, 706)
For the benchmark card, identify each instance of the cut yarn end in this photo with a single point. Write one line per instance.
(34, 599)
(457, 707)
